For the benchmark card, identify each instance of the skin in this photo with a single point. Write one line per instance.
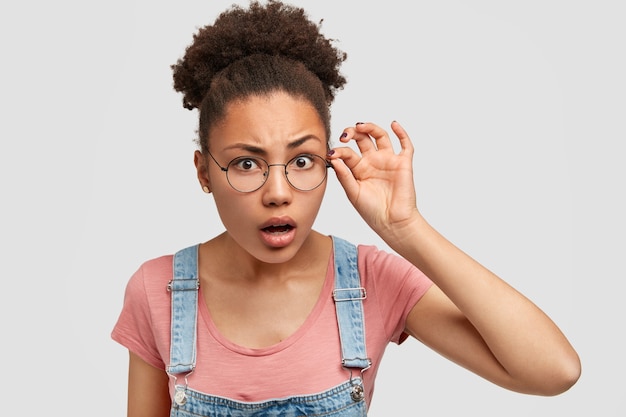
(470, 315)
(283, 283)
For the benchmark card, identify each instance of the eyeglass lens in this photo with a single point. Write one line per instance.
(304, 172)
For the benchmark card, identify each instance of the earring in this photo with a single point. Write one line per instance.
(206, 189)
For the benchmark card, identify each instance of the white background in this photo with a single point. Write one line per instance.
(517, 111)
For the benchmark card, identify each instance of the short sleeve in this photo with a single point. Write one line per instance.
(135, 329)
(397, 285)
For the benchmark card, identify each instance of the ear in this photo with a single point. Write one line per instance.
(202, 171)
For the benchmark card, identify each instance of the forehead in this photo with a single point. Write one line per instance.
(268, 120)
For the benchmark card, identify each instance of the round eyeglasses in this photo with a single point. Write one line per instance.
(304, 172)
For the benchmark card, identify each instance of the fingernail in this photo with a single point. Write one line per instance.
(343, 135)
(359, 123)
(331, 152)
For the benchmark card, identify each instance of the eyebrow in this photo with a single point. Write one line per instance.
(260, 151)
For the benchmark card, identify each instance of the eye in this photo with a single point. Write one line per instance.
(246, 163)
(302, 162)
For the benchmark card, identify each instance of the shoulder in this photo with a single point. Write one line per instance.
(157, 266)
(394, 284)
(377, 265)
(379, 261)
(155, 271)
(390, 275)
(143, 324)
(151, 278)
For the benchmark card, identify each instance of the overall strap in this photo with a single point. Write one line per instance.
(184, 290)
(349, 295)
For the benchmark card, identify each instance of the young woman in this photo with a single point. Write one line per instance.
(273, 318)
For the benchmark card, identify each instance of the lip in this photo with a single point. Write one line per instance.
(280, 238)
(279, 221)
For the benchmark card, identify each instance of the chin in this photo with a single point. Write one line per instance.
(277, 255)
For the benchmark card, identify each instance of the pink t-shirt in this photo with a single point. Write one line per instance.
(307, 362)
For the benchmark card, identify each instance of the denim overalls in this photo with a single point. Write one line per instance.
(347, 399)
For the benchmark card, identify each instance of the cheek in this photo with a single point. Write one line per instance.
(311, 204)
(231, 206)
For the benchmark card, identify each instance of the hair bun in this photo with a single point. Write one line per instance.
(273, 29)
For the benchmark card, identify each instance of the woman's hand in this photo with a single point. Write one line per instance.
(378, 182)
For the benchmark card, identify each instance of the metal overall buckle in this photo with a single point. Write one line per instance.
(180, 396)
(357, 392)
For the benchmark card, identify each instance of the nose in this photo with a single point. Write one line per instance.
(276, 190)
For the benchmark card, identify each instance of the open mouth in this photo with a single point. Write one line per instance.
(278, 228)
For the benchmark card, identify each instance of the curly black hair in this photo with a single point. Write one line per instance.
(256, 51)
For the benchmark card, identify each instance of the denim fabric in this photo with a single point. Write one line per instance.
(335, 402)
(184, 289)
(348, 295)
(345, 400)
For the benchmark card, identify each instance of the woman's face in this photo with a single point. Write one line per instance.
(272, 222)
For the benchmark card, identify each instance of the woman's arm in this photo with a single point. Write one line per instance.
(148, 393)
(470, 316)
(478, 321)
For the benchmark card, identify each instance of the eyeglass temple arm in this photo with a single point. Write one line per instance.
(217, 163)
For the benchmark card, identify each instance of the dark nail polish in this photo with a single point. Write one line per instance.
(330, 152)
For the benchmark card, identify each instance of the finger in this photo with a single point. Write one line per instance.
(405, 141)
(343, 173)
(377, 133)
(363, 141)
(349, 157)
